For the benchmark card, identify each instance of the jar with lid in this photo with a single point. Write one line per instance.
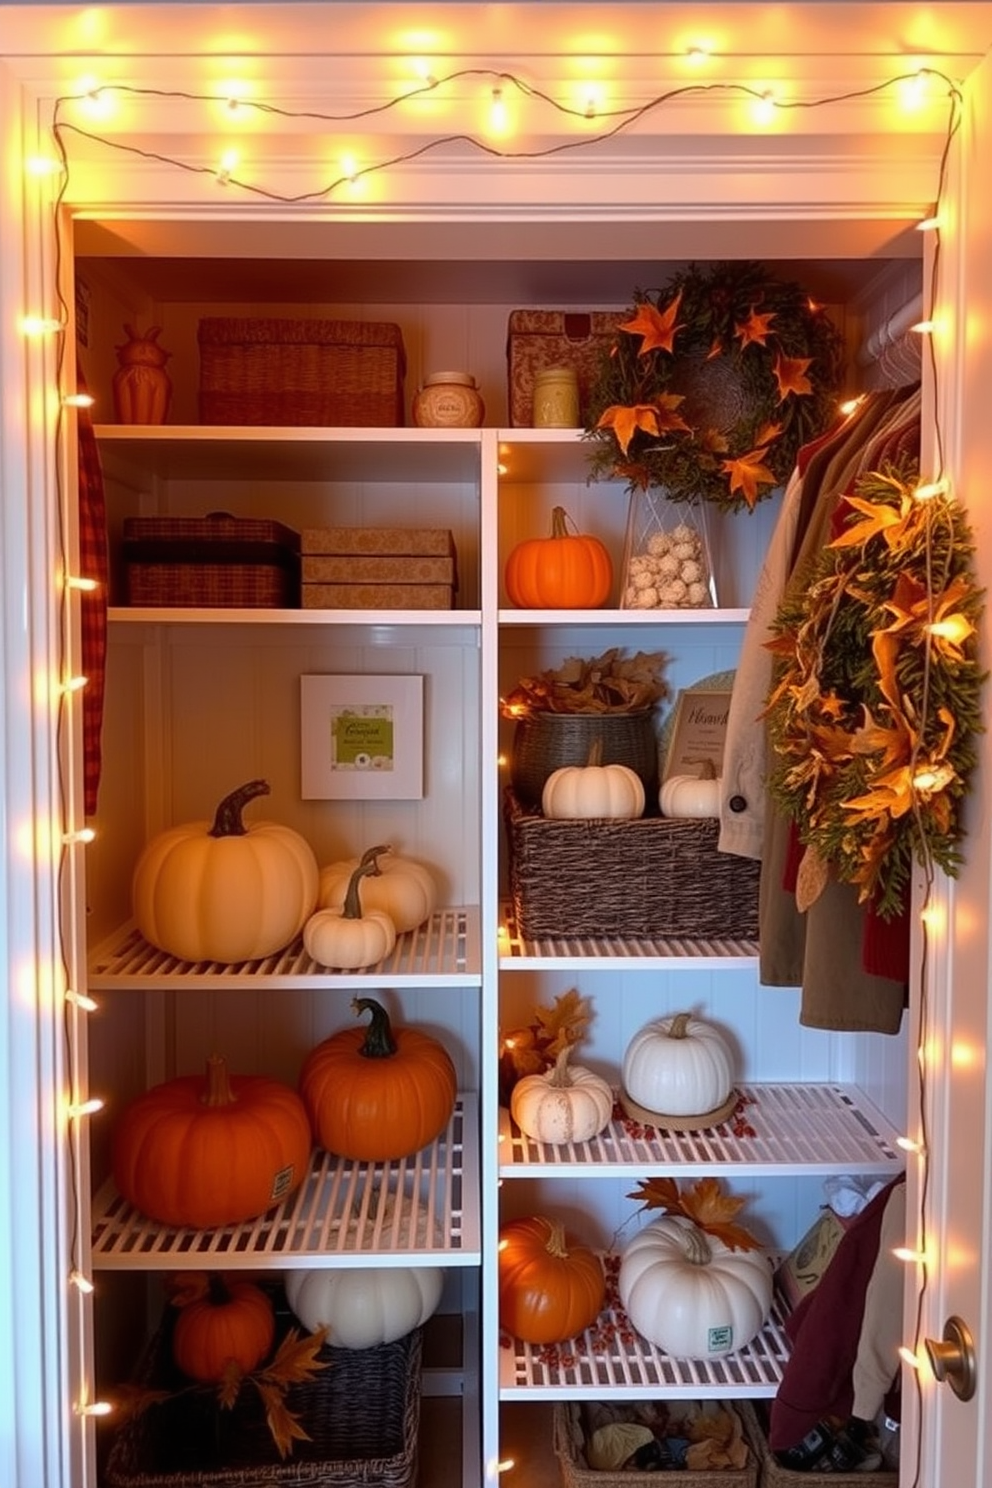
(556, 398)
(448, 400)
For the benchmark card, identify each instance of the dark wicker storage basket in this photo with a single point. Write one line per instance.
(655, 877)
(362, 1414)
(318, 373)
(544, 742)
(575, 1473)
(218, 560)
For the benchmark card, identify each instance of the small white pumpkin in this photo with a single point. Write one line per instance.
(593, 790)
(689, 1293)
(690, 796)
(367, 1305)
(347, 938)
(567, 1103)
(678, 1066)
(398, 886)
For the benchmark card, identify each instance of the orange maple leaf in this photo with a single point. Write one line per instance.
(790, 374)
(878, 516)
(668, 418)
(657, 328)
(712, 441)
(756, 328)
(704, 1203)
(625, 421)
(747, 473)
(767, 434)
(716, 349)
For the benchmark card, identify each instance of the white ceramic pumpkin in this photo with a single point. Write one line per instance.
(348, 938)
(689, 1293)
(225, 890)
(590, 791)
(398, 886)
(678, 1066)
(688, 795)
(367, 1305)
(567, 1103)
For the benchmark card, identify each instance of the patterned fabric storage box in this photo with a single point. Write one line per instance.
(571, 1422)
(317, 373)
(362, 1414)
(218, 560)
(538, 339)
(656, 877)
(378, 568)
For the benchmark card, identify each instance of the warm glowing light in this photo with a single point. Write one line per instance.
(924, 327)
(81, 1283)
(81, 1001)
(228, 162)
(349, 167)
(933, 917)
(956, 628)
(77, 1109)
(502, 1245)
(84, 586)
(912, 91)
(506, 1464)
(78, 400)
(764, 108)
(929, 489)
(929, 224)
(96, 100)
(42, 165)
(95, 1408)
(909, 1357)
(502, 761)
(39, 325)
(74, 684)
(698, 52)
(849, 405)
(501, 468)
(910, 1256)
(926, 780)
(964, 1056)
(908, 1144)
(84, 835)
(499, 121)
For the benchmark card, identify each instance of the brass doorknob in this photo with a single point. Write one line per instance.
(952, 1359)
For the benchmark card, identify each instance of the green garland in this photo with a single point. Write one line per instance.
(713, 385)
(876, 698)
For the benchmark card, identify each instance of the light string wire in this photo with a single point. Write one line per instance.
(625, 119)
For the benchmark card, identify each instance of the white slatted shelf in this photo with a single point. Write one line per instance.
(796, 1129)
(446, 949)
(611, 1356)
(516, 951)
(418, 1209)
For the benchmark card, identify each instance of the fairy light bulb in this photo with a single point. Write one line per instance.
(39, 325)
(81, 1000)
(911, 1257)
(929, 224)
(42, 165)
(929, 489)
(82, 1283)
(78, 400)
(909, 1357)
(94, 1408)
(228, 162)
(956, 628)
(81, 584)
(74, 684)
(82, 835)
(498, 118)
(76, 1110)
(909, 1144)
(764, 107)
(924, 327)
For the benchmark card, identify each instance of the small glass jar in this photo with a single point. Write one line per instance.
(556, 399)
(448, 400)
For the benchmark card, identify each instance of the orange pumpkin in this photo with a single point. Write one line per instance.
(550, 1285)
(378, 1093)
(566, 571)
(206, 1152)
(223, 1320)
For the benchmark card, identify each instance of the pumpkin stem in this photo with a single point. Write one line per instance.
(218, 1293)
(679, 1026)
(374, 854)
(352, 907)
(556, 1239)
(227, 820)
(217, 1091)
(595, 755)
(559, 522)
(379, 1041)
(561, 1076)
(698, 1251)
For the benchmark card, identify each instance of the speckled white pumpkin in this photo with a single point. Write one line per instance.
(568, 1103)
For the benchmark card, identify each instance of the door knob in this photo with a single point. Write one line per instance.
(952, 1358)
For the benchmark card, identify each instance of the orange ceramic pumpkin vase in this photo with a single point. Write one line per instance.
(551, 1287)
(214, 1151)
(378, 1093)
(566, 571)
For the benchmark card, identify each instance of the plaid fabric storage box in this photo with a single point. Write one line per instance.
(658, 876)
(315, 373)
(218, 560)
(570, 1445)
(538, 339)
(361, 1413)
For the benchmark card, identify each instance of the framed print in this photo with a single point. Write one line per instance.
(362, 738)
(697, 732)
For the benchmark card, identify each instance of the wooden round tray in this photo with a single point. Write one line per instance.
(679, 1123)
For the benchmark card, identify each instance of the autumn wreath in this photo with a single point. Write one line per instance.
(876, 695)
(713, 385)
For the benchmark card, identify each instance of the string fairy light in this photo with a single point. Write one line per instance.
(98, 100)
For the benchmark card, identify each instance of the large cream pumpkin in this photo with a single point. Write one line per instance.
(678, 1066)
(225, 891)
(689, 1293)
(367, 1305)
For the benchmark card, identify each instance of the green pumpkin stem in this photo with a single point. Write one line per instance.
(352, 907)
(379, 1042)
(227, 820)
(374, 854)
(679, 1027)
(217, 1091)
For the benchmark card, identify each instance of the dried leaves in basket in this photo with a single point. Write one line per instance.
(611, 683)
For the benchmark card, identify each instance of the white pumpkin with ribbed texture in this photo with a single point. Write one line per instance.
(567, 1103)
(398, 886)
(688, 1293)
(678, 1066)
(586, 792)
(365, 1306)
(690, 796)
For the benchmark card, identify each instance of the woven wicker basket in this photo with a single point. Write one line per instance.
(317, 373)
(774, 1475)
(218, 560)
(656, 877)
(362, 1414)
(544, 742)
(568, 1444)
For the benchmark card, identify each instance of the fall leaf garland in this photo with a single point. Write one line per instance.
(713, 385)
(876, 694)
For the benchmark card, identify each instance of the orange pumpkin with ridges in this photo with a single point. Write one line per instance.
(566, 571)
